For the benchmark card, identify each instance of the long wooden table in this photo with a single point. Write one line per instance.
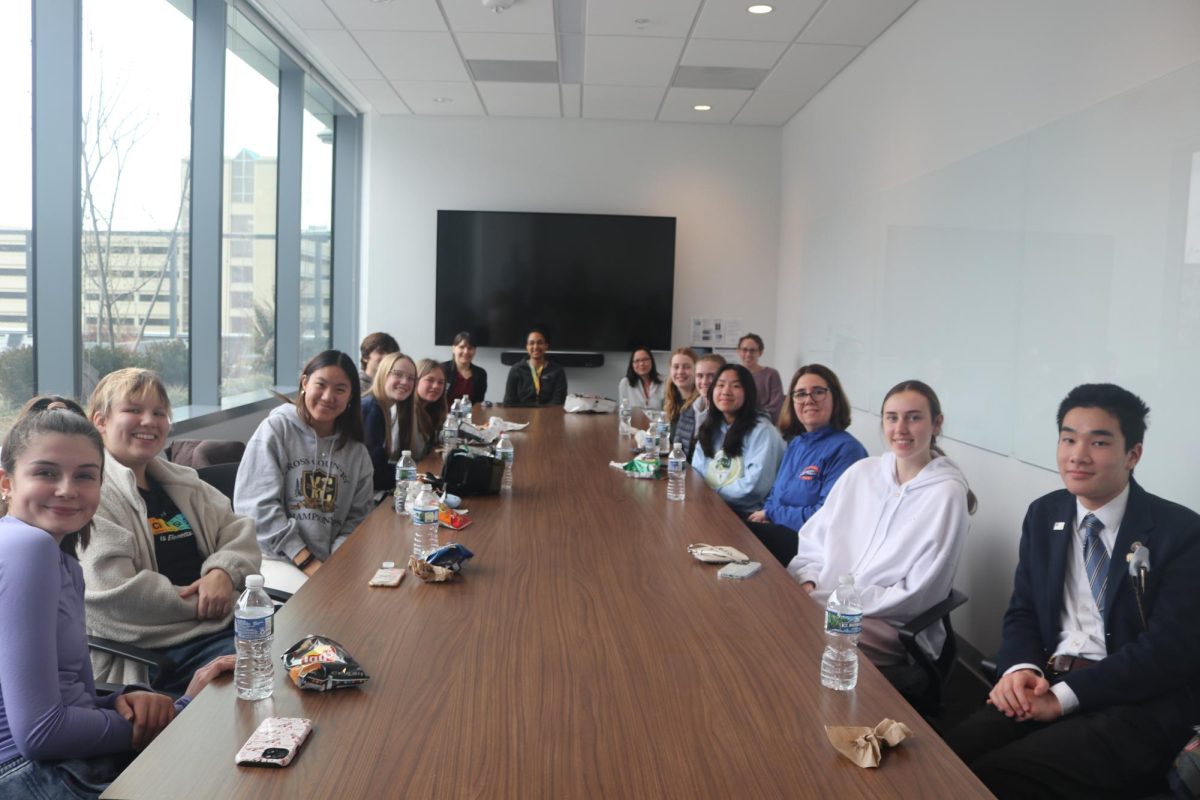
(583, 653)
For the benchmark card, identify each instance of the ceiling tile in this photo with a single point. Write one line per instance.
(718, 78)
(853, 21)
(808, 67)
(483, 70)
(571, 99)
(621, 102)
(728, 53)
(728, 19)
(310, 14)
(771, 108)
(678, 106)
(630, 60)
(508, 46)
(341, 48)
(669, 18)
(404, 15)
(421, 97)
(414, 56)
(526, 16)
(382, 97)
(521, 99)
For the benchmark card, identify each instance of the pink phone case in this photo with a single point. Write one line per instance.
(275, 742)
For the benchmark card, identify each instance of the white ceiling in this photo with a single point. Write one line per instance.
(599, 59)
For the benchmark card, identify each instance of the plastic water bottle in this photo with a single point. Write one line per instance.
(664, 432)
(406, 473)
(677, 473)
(843, 625)
(450, 434)
(464, 409)
(504, 452)
(425, 523)
(254, 630)
(626, 415)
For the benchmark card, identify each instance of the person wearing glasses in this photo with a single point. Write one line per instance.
(766, 380)
(641, 387)
(819, 450)
(387, 411)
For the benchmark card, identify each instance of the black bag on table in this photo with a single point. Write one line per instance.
(469, 472)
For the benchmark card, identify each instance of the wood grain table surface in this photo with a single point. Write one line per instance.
(582, 654)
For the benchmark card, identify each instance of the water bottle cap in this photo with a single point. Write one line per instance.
(848, 578)
(254, 581)
(406, 452)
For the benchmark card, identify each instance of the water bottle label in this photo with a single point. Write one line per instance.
(251, 628)
(849, 624)
(425, 516)
(506, 456)
(406, 474)
(674, 466)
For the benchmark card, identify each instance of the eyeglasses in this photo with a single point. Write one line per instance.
(817, 394)
(642, 361)
(403, 377)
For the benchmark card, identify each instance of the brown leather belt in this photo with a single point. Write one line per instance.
(1061, 665)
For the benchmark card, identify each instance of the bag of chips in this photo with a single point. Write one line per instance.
(320, 663)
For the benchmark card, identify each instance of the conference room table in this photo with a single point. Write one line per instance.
(583, 652)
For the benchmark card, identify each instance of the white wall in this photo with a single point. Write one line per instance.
(950, 81)
(720, 182)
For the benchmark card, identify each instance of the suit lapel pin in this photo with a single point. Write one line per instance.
(1058, 526)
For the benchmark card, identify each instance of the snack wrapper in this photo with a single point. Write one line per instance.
(451, 518)
(643, 466)
(319, 663)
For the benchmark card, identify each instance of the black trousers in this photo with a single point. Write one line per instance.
(1121, 751)
(781, 541)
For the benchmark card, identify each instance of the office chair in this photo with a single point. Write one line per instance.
(923, 681)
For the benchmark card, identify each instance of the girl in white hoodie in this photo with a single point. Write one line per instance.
(306, 478)
(898, 522)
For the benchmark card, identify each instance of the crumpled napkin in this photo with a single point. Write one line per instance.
(862, 745)
(429, 573)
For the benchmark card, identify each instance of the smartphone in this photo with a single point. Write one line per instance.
(387, 575)
(739, 571)
(275, 742)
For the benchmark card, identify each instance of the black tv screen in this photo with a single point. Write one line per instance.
(594, 281)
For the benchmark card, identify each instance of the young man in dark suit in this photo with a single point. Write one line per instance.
(1099, 678)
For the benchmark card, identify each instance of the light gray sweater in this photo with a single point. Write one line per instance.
(127, 598)
(302, 490)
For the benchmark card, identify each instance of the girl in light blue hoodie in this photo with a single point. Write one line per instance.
(306, 478)
(739, 449)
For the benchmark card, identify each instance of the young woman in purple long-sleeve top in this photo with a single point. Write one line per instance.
(57, 737)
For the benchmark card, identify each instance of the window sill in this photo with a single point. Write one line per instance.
(195, 417)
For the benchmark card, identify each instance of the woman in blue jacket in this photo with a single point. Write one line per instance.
(814, 423)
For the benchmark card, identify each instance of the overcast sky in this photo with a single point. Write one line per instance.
(142, 51)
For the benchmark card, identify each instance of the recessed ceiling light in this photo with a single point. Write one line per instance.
(702, 108)
(380, 1)
(443, 100)
(760, 8)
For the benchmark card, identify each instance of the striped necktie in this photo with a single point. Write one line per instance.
(1095, 559)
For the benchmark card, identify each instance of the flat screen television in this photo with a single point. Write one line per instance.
(596, 282)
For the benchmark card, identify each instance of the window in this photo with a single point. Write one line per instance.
(16, 210)
(316, 214)
(136, 180)
(251, 166)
